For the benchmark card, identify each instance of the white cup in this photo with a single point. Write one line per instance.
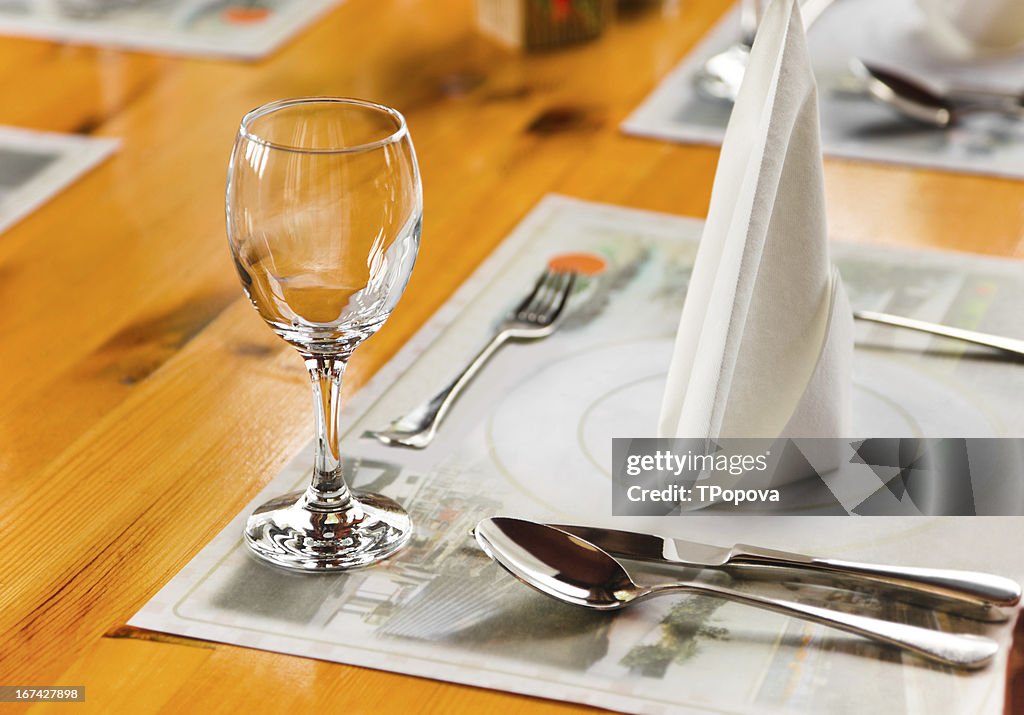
(977, 25)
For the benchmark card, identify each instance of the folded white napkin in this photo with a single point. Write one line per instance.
(765, 342)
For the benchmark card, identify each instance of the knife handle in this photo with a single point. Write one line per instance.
(969, 586)
(959, 650)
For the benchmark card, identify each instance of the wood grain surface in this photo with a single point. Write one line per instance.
(143, 402)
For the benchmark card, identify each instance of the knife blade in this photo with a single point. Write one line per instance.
(967, 586)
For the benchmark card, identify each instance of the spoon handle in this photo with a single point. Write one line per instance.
(750, 18)
(982, 94)
(958, 650)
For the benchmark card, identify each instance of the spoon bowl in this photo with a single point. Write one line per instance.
(907, 96)
(556, 563)
(721, 75)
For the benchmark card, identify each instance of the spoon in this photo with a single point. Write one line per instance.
(575, 571)
(914, 99)
(721, 75)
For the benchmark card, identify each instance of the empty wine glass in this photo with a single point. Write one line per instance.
(324, 208)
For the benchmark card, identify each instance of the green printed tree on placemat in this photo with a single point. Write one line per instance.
(685, 623)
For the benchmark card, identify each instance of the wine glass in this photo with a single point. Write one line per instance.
(324, 209)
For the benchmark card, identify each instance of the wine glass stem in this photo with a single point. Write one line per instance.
(328, 490)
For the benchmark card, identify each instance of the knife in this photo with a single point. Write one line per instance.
(968, 586)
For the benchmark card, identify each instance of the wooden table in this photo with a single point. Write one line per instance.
(144, 402)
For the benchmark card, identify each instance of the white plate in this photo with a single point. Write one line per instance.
(559, 421)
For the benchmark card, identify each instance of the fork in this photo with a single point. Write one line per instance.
(537, 316)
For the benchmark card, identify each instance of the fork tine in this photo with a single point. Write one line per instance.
(541, 279)
(562, 299)
(540, 299)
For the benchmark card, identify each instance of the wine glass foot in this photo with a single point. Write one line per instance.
(286, 532)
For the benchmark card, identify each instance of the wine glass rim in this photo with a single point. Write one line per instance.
(401, 130)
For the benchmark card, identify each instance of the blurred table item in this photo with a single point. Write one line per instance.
(543, 24)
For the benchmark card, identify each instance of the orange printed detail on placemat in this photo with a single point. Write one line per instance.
(586, 264)
(242, 15)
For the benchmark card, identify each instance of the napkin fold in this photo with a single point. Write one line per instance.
(765, 342)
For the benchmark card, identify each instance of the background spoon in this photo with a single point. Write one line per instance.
(721, 75)
(916, 100)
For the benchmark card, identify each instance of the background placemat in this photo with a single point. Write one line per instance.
(248, 31)
(34, 166)
(890, 32)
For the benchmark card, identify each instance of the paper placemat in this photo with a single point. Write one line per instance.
(34, 166)
(531, 437)
(248, 30)
(853, 126)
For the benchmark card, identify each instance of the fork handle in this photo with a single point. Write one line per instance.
(970, 586)
(1011, 345)
(422, 422)
(960, 650)
(437, 406)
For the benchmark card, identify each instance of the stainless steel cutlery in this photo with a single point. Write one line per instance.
(997, 342)
(721, 75)
(575, 570)
(537, 316)
(915, 100)
(968, 586)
